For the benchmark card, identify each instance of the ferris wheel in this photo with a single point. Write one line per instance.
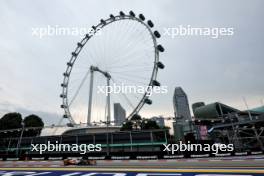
(119, 52)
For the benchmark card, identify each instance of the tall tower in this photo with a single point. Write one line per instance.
(181, 112)
(181, 104)
(119, 114)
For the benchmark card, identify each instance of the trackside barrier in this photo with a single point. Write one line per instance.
(256, 153)
(223, 154)
(138, 157)
(200, 156)
(120, 157)
(147, 157)
(173, 156)
(96, 158)
(241, 153)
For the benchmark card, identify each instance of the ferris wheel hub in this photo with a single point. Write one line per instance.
(105, 73)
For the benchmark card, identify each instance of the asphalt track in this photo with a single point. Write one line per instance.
(128, 172)
(187, 167)
(233, 162)
(192, 163)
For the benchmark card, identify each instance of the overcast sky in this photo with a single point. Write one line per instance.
(209, 70)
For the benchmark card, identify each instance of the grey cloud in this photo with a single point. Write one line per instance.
(208, 69)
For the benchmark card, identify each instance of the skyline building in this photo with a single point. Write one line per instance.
(183, 118)
(119, 114)
(181, 104)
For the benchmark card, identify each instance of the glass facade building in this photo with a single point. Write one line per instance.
(181, 112)
(119, 114)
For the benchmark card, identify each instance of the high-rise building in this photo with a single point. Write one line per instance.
(119, 114)
(178, 131)
(182, 111)
(181, 104)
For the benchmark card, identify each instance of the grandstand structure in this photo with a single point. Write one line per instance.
(129, 143)
(225, 124)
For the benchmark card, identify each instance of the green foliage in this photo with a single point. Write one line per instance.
(14, 121)
(136, 117)
(137, 123)
(127, 126)
(10, 121)
(149, 124)
(33, 121)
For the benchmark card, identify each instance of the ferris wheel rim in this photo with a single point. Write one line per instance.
(80, 46)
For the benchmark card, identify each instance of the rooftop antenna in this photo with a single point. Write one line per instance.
(249, 114)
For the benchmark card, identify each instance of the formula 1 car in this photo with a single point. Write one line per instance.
(81, 162)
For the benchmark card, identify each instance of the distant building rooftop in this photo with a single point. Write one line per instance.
(216, 110)
(213, 111)
(258, 109)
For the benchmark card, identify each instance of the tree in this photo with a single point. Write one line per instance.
(10, 121)
(127, 126)
(131, 124)
(148, 124)
(136, 117)
(137, 123)
(33, 121)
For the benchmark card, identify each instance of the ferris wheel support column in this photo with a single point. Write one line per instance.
(90, 97)
(108, 118)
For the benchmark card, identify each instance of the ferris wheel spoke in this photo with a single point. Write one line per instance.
(131, 29)
(125, 97)
(117, 40)
(127, 68)
(138, 71)
(126, 47)
(128, 79)
(128, 55)
(79, 87)
(131, 52)
(135, 65)
(121, 56)
(121, 34)
(134, 76)
(132, 43)
(129, 62)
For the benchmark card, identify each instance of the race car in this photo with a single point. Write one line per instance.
(81, 162)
